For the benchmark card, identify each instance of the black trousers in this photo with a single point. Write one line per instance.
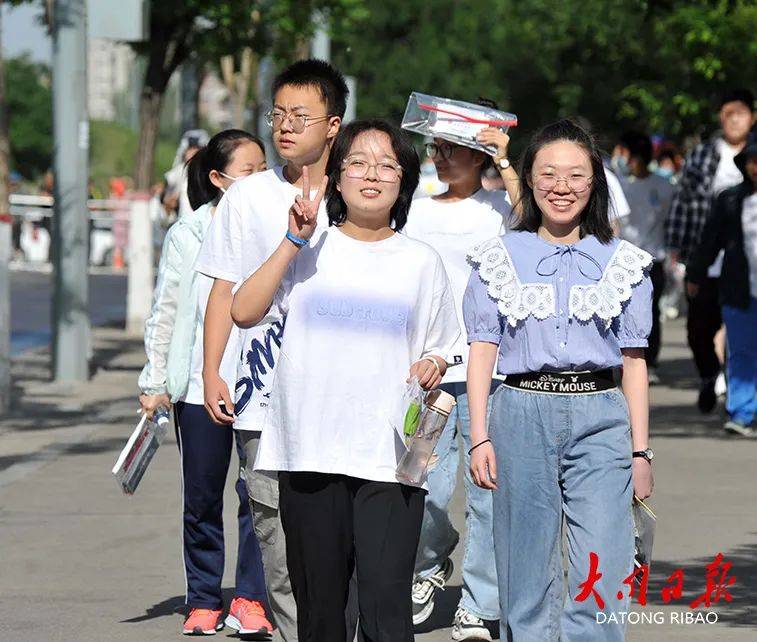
(702, 324)
(657, 275)
(335, 523)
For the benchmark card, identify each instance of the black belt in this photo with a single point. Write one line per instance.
(564, 383)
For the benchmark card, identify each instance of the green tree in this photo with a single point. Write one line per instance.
(657, 64)
(211, 29)
(29, 104)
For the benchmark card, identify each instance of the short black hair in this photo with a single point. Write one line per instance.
(594, 218)
(738, 95)
(407, 157)
(319, 74)
(639, 145)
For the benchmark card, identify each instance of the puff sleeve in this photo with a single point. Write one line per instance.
(635, 322)
(480, 314)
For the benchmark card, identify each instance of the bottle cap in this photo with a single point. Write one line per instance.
(440, 401)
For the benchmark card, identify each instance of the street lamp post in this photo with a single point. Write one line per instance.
(70, 217)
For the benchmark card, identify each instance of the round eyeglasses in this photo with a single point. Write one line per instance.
(577, 183)
(298, 122)
(386, 171)
(437, 151)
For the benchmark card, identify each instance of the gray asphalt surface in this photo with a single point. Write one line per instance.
(82, 562)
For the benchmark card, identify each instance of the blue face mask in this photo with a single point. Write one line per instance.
(665, 172)
(620, 165)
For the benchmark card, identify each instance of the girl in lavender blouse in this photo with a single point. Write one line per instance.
(564, 309)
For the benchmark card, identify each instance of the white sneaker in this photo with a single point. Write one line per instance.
(424, 590)
(467, 626)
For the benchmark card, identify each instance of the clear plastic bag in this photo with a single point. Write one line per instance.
(453, 120)
(407, 415)
(139, 450)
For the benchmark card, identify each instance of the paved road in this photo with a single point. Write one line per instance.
(82, 562)
(31, 306)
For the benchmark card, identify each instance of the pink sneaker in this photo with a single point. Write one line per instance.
(203, 622)
(248, 617)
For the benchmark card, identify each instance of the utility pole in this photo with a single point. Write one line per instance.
(70, 217)
(5, 244)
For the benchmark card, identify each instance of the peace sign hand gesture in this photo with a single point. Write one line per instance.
(303, 215)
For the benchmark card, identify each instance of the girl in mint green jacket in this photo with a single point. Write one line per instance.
(173, 375)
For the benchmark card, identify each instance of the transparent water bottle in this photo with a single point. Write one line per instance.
(437, 407)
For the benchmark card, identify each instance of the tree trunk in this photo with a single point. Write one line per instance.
(150, 103)
(169, 47)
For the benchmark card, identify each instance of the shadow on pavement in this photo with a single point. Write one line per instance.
(740, 611)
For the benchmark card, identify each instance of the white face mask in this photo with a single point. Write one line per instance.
(231, 178)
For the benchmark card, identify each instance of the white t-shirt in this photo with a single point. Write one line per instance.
(228, 370)
(727, 174)
(359, 314)
(619, 207)
(249, 223)
(749, 225)
(649, 199)
(453, 229)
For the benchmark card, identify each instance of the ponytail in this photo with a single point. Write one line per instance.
(216, 155)
(199, 188)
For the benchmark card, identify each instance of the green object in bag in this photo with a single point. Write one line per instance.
(412, 419)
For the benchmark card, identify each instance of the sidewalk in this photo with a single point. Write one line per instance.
(81, 561)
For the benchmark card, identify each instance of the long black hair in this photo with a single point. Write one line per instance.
(216, 155)
(407, 157)
(594, 217)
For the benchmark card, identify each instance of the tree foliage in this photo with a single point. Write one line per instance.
(29, 104)
(655, 64)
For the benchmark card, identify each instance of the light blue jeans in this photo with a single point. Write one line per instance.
(439, 537)
(741, 364)
(561, 456)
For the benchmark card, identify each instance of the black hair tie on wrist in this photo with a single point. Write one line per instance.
(480, 443)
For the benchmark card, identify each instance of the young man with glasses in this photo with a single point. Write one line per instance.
(453, 223)
(309, 100)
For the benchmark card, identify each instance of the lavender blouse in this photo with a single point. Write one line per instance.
(558, 307)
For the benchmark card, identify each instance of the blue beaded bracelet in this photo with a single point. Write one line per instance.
(296, 239)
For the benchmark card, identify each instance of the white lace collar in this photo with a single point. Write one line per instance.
(515, 300)
(605, 299)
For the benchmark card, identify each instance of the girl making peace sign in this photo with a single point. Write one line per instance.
(366, 308)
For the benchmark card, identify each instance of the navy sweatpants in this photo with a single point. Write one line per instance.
(205, 450)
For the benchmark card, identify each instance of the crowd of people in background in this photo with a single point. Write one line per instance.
(293, 304)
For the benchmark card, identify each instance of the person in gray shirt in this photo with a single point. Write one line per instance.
(649, 197)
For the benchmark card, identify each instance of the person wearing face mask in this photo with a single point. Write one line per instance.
(709, 169)
(564, 310)
(173, 375)
(367, 309)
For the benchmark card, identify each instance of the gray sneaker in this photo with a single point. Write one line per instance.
(424, 590)
(737, 428)
(467, 626)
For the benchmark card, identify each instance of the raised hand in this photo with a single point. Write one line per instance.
(491, 136)
(303, 215)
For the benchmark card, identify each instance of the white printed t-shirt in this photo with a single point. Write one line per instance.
(359, 314)
(453, 229)
(249, 223)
